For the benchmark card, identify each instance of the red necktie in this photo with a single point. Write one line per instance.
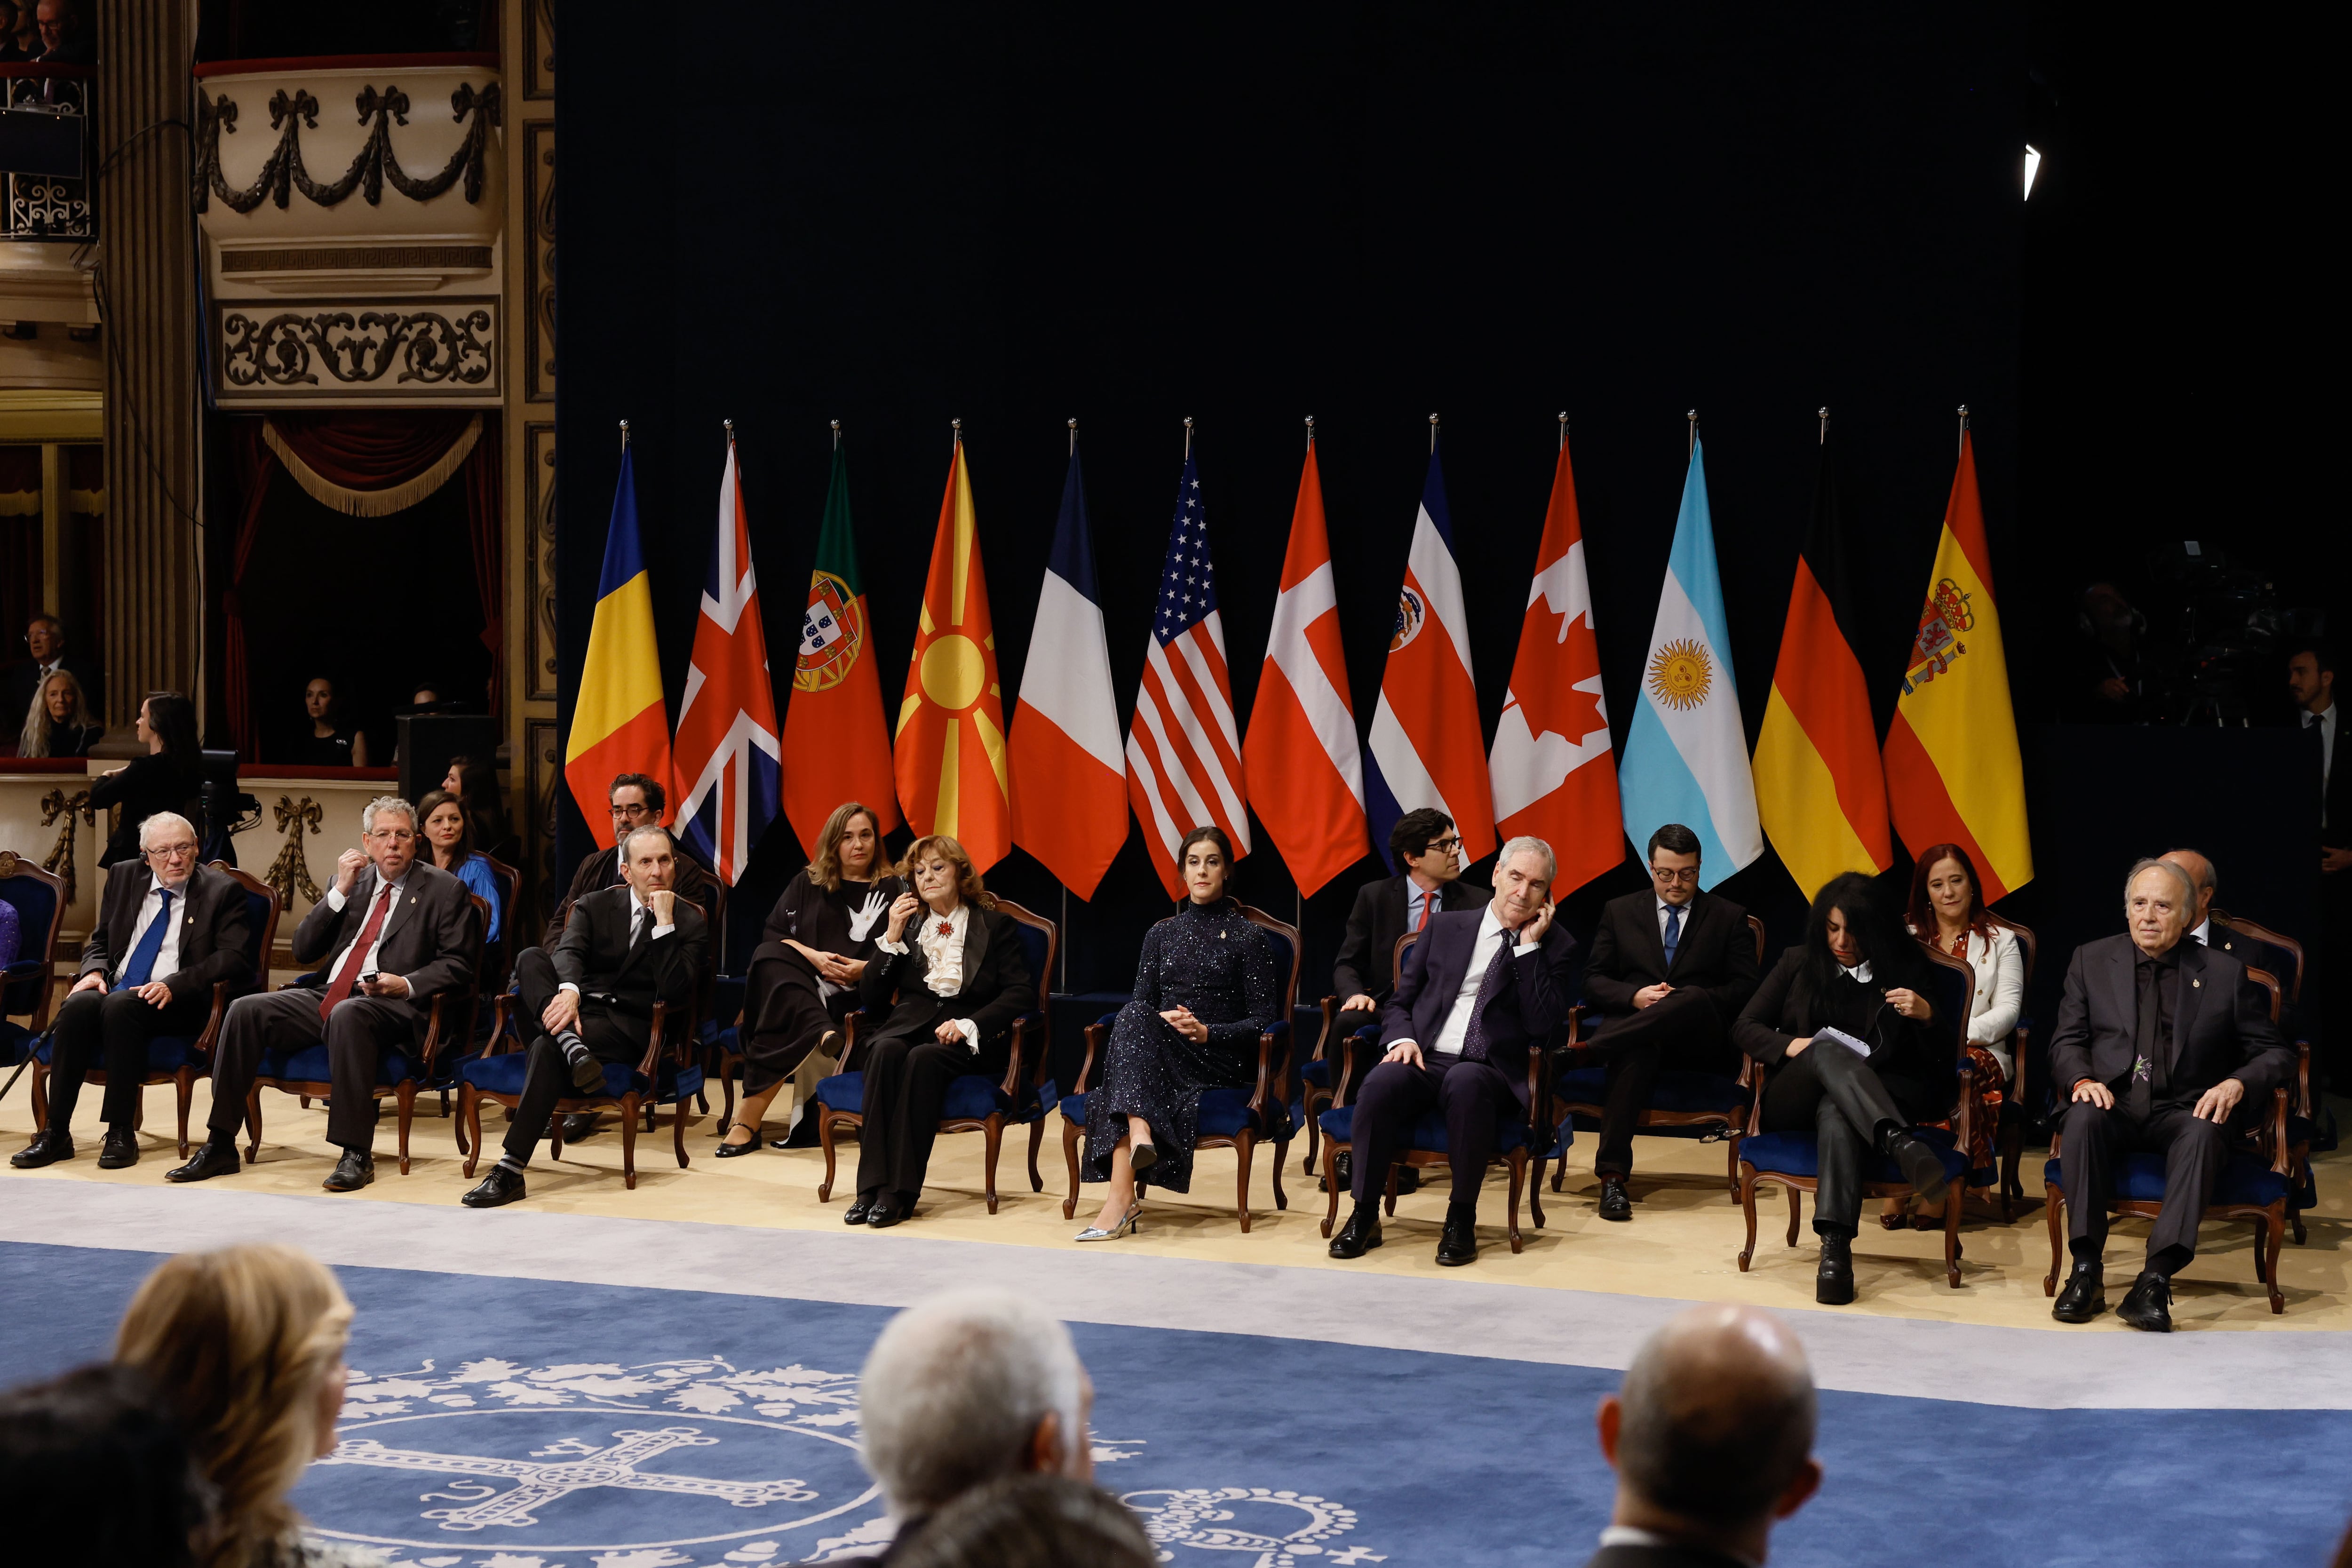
(1426, 899)
(348, 976)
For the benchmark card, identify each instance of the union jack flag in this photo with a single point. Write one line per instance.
(729, 766)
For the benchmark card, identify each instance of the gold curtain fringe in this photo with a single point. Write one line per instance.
(374, 503)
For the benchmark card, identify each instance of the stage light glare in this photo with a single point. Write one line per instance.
(2032, 167)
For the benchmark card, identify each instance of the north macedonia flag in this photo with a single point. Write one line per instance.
(948, 754)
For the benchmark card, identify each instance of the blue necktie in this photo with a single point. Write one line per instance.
(1473, 1039)
(141, 966)
(1674, 931)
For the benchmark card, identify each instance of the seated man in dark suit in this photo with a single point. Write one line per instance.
(394, 932)
(637, 802)
(2163, 1043)
(1423, 842)
(592, 998)
(1671, 968)
(167, 930)
(1480, 990)
(1712, 1438)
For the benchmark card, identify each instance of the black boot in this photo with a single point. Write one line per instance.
(2149, 1307)
(1921, 1166)
(1834, 1281)
(1360, 1234)
(2085, 1295)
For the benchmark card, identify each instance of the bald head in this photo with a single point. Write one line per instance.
(2200, 872)
(1718, 1415)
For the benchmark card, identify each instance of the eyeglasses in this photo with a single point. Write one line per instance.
(171, 852)
(1448, 845)
(632, 812)
(1689, 875)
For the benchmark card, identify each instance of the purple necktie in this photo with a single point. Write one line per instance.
(1474, 1042)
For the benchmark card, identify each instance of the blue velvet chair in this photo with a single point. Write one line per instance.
(28, 984)
(666, 1074)
(975, 1102)
(1792, 1160)
(181, 1059)
(1314, 1075)
(1231, 1119)
(308, 1071)
(2281, 956)
(1682, 1097)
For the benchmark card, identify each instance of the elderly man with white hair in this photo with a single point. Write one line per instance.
(168, 931)
(962, 1389)
(2162, 1045)
(1478, 991)
(392, 932)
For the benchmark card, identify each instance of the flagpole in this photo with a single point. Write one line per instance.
(1563, 430)
(1964, 429)
(1074, 444)
(1310, 432)
(957, 426)
(1433, 435)
(1691, 445)
(1188, 437)
(1825, 424)
(730, 430)
(836, 434)
(624, 435)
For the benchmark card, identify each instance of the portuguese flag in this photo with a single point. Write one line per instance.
(836, 747)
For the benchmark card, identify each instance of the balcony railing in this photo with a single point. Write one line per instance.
(48, 205)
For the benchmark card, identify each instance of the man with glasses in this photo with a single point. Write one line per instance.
(1670, 969)
(168, 930)
(393, 933)
(637, 802)
(1423, 842)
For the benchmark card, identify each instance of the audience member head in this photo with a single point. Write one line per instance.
(849, 845)
(95, 1471)
(1031, 1522)
(167, 723)
(57, 705)
(388, 835)
(424, 696)
(475, 783)
(1423, 841)
(2158, 898)
(167, 842)
(649, 860)
(637, 803)
(1204, 860)
(964, 1388)
(1673, 864)
(1852, 924)
(2201, 876)
(1944, 893)
(246, 1344)
(58, 23)
(45, 637)
(446, 832)
(318, 701)
(1712, 1432)
(2110, 619)
(2311, 676)
(942, 874)
(1523, 874)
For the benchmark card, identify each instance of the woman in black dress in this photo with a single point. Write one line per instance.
(170, 777)
(59, 723)
(804, 973)
(326, 741)
(1860, 973)
(1205, 990)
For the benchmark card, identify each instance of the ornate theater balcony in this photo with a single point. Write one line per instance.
(49, 312)
(352, 210)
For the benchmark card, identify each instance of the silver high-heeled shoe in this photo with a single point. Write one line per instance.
(1097, 1233)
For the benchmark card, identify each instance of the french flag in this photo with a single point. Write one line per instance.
(1427, 747)
(729, 766)
(1069, 778)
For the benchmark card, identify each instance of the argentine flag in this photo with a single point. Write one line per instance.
(1686, 756)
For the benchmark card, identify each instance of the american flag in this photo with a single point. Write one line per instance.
(1183, 750)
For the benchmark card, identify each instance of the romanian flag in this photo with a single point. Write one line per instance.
(949, 750)
(1819, 790)
(1953, 775)
(836, 747)
(619, 723)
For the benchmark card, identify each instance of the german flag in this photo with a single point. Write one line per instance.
(1819, 789)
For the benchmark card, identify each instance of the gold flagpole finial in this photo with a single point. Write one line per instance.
(624, 435)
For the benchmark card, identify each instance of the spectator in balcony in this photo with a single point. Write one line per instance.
(12, 17)
(45, 643)
(170, 777)
(59, 723)
(64, 41)
(330, 742)
(475, 784)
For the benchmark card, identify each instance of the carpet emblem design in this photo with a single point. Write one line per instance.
(1220, 1518)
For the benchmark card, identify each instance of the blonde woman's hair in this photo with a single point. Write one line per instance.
(35, 740)
(238, 1340)
(824, 866)
(969, 887)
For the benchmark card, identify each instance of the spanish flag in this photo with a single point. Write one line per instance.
(619, 721)
(949, 754)
(1953, 775)
(1819, 789)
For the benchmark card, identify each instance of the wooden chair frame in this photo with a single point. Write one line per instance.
(1308, 1094)
(15, 865)
(1734, 1127)
(1797, 1186)
(2009, 1135)
(1022, 1069)
(183, 1077)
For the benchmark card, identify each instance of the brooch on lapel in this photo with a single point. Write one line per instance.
(947, 928)
(2195, 984)
(1220, 936)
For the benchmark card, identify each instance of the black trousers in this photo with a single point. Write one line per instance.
(359, 1033)
(907, 1078)
(110, 1032)
(2194, 1152)
(1836, 1095)
(787, 1016)
(611, 1036)
(1682, 1028)
(1476, 1097)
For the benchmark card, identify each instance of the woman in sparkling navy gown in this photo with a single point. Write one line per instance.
(1205, 990)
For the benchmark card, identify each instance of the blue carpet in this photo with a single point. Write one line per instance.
(500, 1423)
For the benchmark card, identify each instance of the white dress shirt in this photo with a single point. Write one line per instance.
(167, 957)
(2326, 723)
(1455, 1030)
(942, 958)
(335, 901)
(1663, 908)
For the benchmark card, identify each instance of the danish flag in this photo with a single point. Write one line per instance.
(729, 766)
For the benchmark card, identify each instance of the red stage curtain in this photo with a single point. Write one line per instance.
(254, 466)
(481, 475)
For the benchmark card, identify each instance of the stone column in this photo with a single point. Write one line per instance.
(147, 298)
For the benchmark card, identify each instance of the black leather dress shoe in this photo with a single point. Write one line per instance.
(500, 1186)
(587, 1074)
(887, 1213)
(1922, 1166)
(355, 1169)
(859, 1211)
(2150, 1305)
(1834, 1280)
(1459, 1245)
(1360, 1234)
(728, 1151)
(49, 1146)
(209, 1161)
(578, 1127)
(2084, 1295)
(120, 1148)
(1615, 1201)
